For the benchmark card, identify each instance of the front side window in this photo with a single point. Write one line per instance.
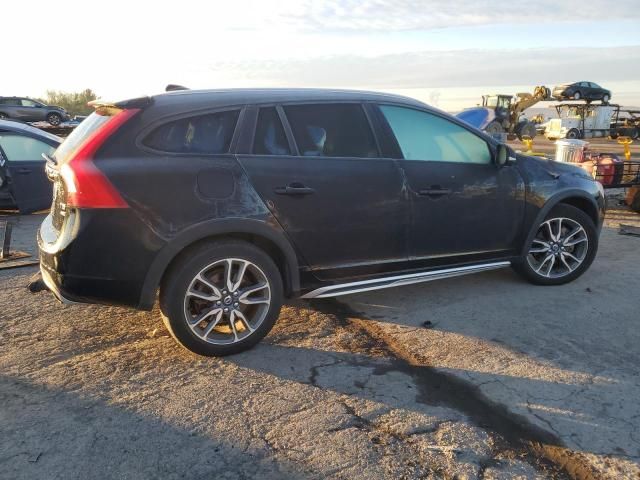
(205, 134)
(270, 138)
(424, 136)
(18, 148)
(28, 103)
(331, 130)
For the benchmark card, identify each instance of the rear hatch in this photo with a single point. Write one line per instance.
(77, 182)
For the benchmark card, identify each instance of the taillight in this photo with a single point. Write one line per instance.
(86, 186)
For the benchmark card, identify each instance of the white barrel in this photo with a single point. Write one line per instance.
(570, 150)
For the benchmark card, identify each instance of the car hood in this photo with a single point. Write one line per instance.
(553, 168)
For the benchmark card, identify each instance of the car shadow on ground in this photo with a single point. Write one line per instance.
(53, 433)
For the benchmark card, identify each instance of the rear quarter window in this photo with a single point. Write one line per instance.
(204, 134)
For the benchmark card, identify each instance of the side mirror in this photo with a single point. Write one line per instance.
(502, 154)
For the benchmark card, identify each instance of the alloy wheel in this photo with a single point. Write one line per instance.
(559, 247)
(227, 301)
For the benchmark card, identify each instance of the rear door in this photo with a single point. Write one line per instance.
(321, 175)
(24, 168)
(465, 208)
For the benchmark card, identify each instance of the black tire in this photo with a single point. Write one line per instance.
(54, 119)
(182, 273)
(527, 129)
(635, 202)
(573, 133)
(494, 127)
(605, 98)
(524, 266)
(3, 116)
(577, 96)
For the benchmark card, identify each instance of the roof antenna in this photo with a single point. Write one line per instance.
(173, 88)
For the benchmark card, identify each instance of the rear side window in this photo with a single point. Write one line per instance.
(427, 137)
(206, 134)
(331, 130)
(19, 148)
(270, 138)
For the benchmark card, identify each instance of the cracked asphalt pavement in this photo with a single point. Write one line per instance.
(483, 376)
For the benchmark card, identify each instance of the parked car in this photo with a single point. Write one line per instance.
(29, 110)
(23, 182)
(229, 201)
(581, 91)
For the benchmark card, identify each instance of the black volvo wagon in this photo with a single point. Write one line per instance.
(227, 202)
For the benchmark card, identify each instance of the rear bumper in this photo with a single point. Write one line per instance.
(80, 264)
(53, 287)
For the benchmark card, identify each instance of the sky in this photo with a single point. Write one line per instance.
(444, 52)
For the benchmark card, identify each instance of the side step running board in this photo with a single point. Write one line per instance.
(395, 281)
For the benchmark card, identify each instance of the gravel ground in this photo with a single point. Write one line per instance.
(482, 376)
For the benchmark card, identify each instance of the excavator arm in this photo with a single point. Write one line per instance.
(525, 100)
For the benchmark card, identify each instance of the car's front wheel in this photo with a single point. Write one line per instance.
(221, 298)
(605, 98)
(54, 119)
(3, 116)
(563, 247)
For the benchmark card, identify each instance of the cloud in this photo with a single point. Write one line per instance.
(463, 68)
(398, 15)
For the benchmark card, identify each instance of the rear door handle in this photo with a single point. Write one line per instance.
(294, 189)
(24, 171)
(435, 191)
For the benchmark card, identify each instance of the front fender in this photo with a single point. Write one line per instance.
(214, 228)
(569, 196)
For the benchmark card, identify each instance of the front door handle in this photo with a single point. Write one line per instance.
(24, 171)
(294, 189)
(435, 191)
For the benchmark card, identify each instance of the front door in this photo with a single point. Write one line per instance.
(24, 167)
(465, 208)
(340, 203)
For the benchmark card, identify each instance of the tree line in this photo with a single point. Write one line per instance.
(73, 102)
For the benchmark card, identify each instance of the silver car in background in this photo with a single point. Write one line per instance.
(29, 110)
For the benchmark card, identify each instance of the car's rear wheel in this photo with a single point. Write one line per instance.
(221, 298)
(562, 249)
(3, 116)
(54, 119)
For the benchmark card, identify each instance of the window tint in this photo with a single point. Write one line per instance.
(332, 130)
(270, 138)
(19, 148)
(206, 134)
(9, 101)
(423, 136)
(28, 103)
